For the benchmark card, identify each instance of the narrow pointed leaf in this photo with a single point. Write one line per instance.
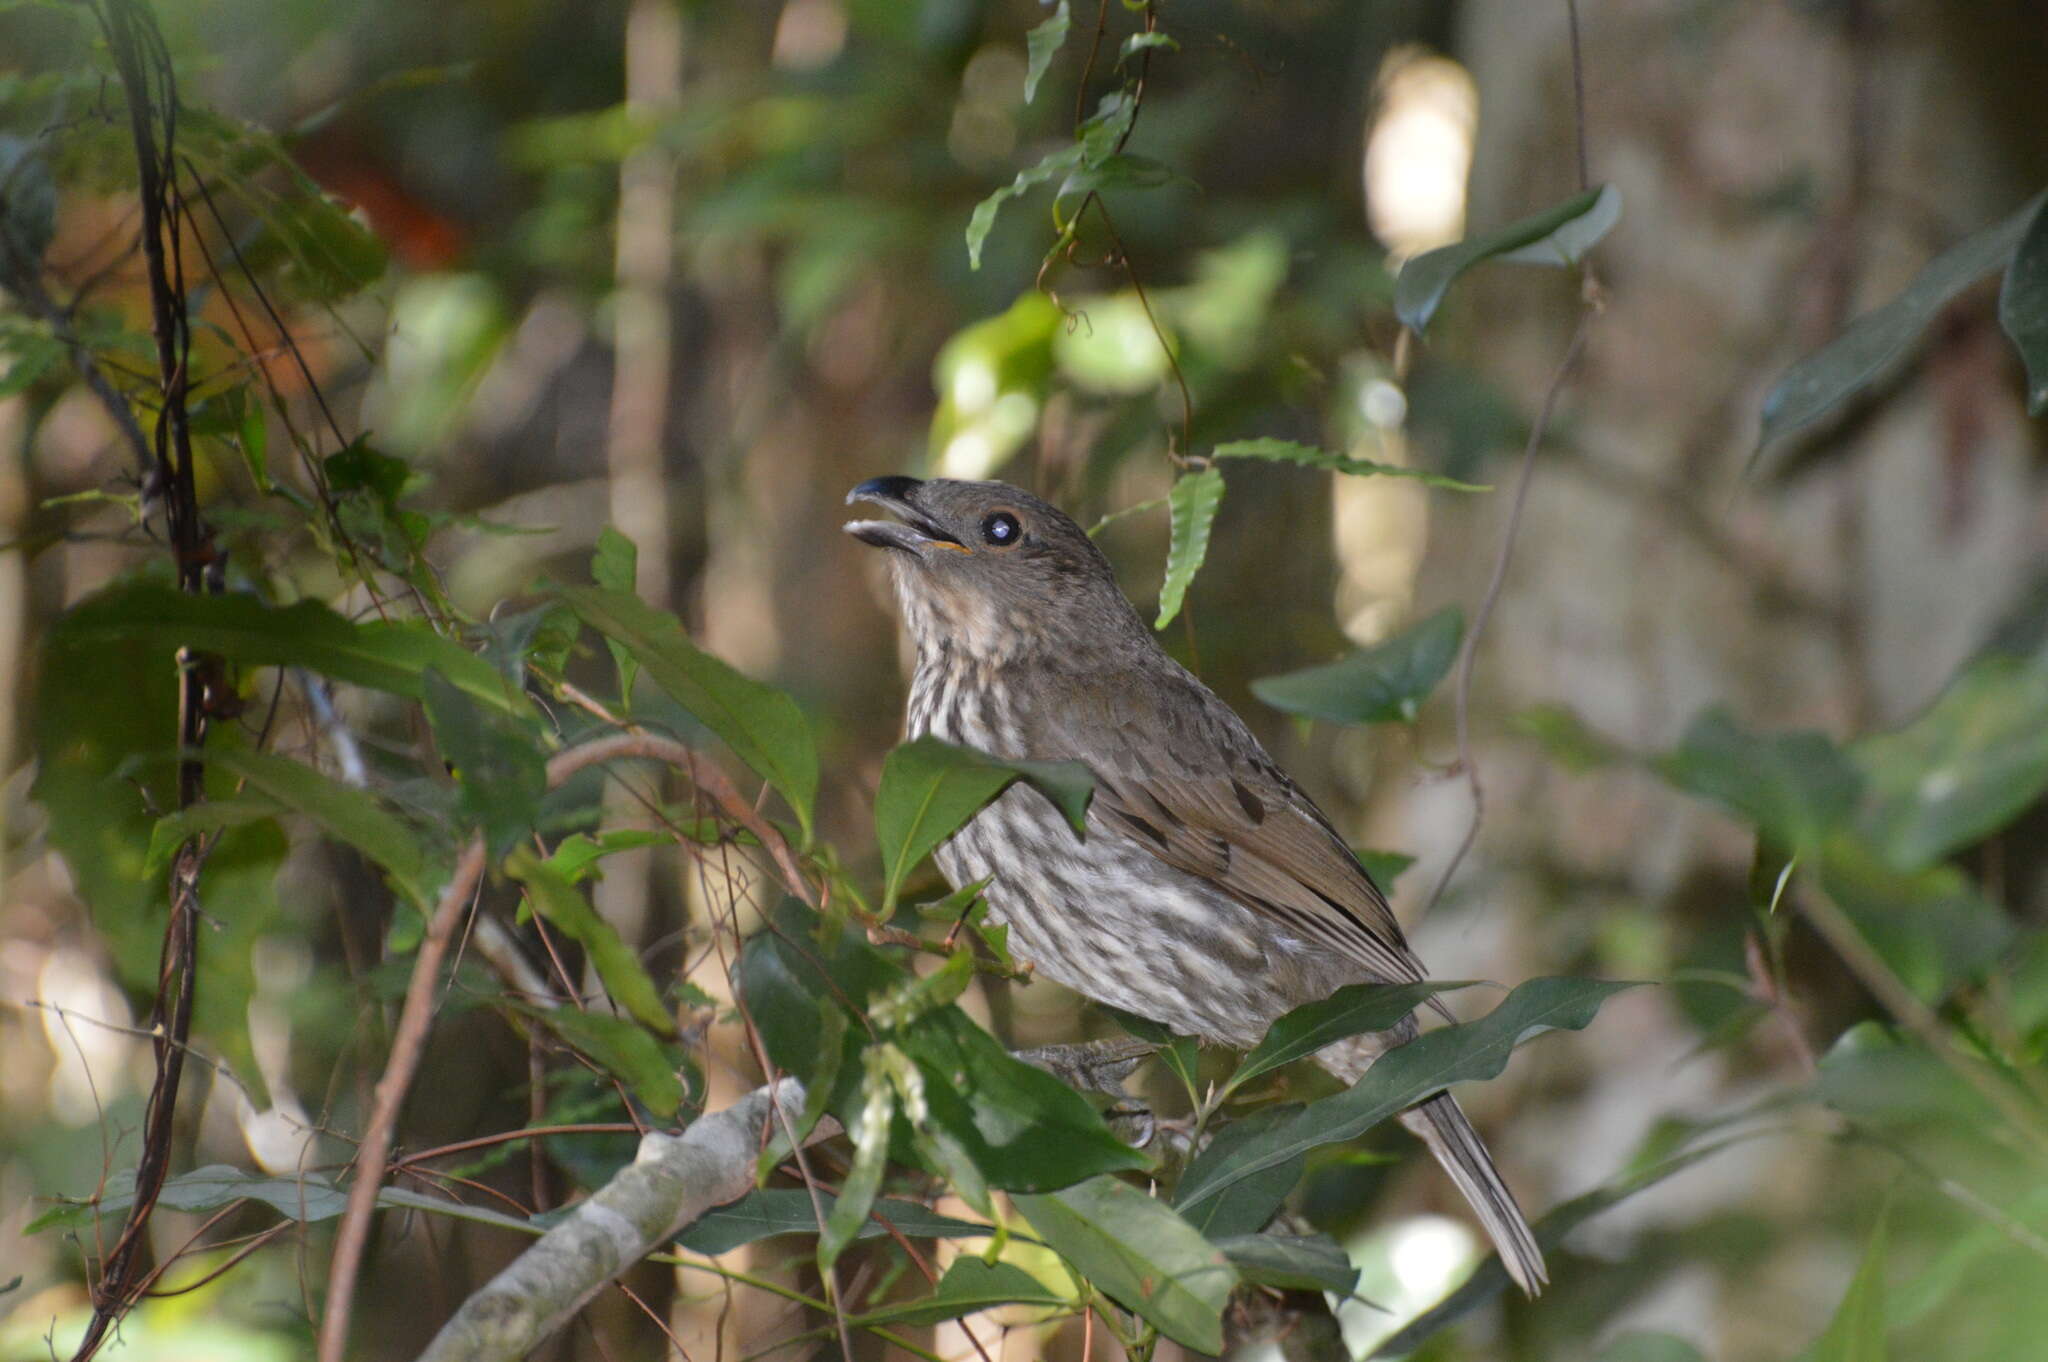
(1559, 235)
(1872, 345)
(498, 763)
(621, 1048)
(1857, 1332)
(1193, 502)
(1142, 1255)
(1350, 1011)
(348, 815)
(870, 1135)
(1404, 1076)
(384, 656)
(1247, 1205)
(1309, 456)
(1385, 683)
(761, 724)
(1313, 1262)
(563, 906)
(769, 1211)
(969, 1285)
(1041, 45)
(615, 566)
(1795, 787)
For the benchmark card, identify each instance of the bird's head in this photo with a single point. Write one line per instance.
(992, 571)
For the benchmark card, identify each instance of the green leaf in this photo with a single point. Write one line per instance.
(307, 1198)
(498, 762)
(563, 907)
(930, 788)
(615, 567)
(348, 815)
(1560, 236)
(1141, 42)
(760, 723)
(1193, 502)
(1142, 1255)
(1963, 769)
(1120, 170)
(1247, 1205)
(1350, 1011)
(621, 1048)
(1382, 684)
(1794, 787)
(769, 1211)
(1407, 1074)
(1933, 926)
(869, 1132)
(389, 656)
(1309, 456)
(969, 1285)
(1856, 1333)
(2023, 307)
(1023, 1129)
(1870, 346)
(1313, 1262)
(1041, 44)
(1383, 866)
(576, 858)
(983, 218)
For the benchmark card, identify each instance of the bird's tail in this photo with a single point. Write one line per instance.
(1441, 1124)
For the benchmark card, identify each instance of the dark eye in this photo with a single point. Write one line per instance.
(1001, 529)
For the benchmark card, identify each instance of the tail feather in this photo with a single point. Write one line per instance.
(1441, 1124)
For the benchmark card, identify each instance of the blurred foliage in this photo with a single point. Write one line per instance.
(975, 231)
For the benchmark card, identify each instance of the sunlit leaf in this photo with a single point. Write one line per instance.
(1140, 1254)
(1869, 348)
(2023, 307)
(1193, 503)
(760, 723)
(576, 858)
(869, 1131)
(622, 1048)
(1382, 684)
(1041, 45)
(1560, 235)
(1407, 1074)
(1144, 42)
(564, 908)
(1309, 456)
(930, 788)
(968, 1286)
(983, 218)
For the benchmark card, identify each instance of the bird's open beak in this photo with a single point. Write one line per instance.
(912, 531)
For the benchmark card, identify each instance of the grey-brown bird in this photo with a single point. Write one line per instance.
(1208, 893)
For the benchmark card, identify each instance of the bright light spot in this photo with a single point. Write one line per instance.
(1013, 415)
(1939, 783)
(974, 386)
(970, 455)
(92, 1059)
(1427, 1254)
(1419, 151)
(1382, 404)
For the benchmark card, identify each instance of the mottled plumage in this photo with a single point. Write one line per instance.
(1208, 893)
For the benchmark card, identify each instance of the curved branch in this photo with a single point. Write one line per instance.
(671, 1182)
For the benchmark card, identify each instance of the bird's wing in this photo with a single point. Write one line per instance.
(1178, 774)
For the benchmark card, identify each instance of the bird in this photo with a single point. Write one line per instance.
(1206, 891)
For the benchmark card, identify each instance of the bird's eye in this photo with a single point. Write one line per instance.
(1001, 529)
